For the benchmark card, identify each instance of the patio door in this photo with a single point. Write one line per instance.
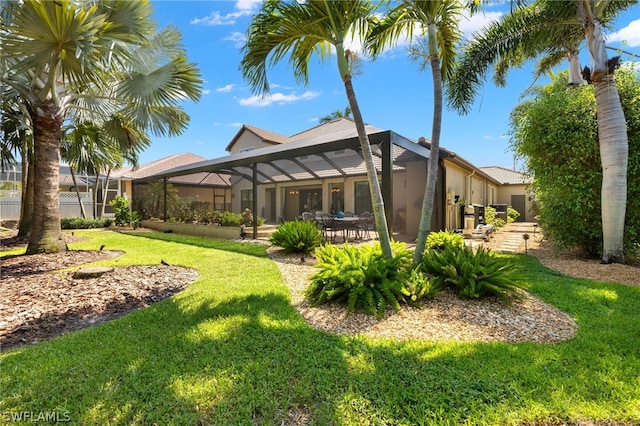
(310, 199)
(518, 203)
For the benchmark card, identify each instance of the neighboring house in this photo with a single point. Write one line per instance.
(321, 169)
(211, 188)
(514, 191)
(11, 193)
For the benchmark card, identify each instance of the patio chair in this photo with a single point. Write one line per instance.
(308, 217)
(329, 228)
(366, 223)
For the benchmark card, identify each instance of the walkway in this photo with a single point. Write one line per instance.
(509, 239)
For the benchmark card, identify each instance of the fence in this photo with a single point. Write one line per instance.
(10, 202)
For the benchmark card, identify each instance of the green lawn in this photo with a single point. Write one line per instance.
(231, 350)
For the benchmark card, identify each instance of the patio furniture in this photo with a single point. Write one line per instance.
(366, 224)
(308, 217)
(329, 228)
(346, 225)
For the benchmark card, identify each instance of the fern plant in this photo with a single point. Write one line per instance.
(297, 236)
(360, 276)
(474, 274)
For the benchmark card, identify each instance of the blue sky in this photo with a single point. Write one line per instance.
(392, 92)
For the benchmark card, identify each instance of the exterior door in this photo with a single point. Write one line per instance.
(518, 203)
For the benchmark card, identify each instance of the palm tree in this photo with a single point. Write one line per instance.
(298, 29)
(548, 27)
(335, 114)
(437, 20)
(86, 61)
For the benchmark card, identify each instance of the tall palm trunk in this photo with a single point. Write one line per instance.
(434, 153)
(75, 185)
(105, 192)
(372, 176)
(26, 206)
(614, 154)
(612, 137)
(46, 234)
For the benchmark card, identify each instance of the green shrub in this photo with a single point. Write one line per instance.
(360, 276)
(231, 219)
(80, 223)
(442, 239)
(421, 286)
(297, 236)
(474, 274)
(122, 212)
(512, 214)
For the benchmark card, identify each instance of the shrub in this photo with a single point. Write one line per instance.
(80, 223)
(360, 276)
(512, 214)
(442, 239)
(230, 219)
(474, 274)
(297, 236)
(123, 215)
(421, 286)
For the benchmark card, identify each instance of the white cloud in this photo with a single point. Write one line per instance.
(471, 24)
(277, 98)
(225, 89)
(242, 8)
(206, 91)
(237, 38)
(629, 35)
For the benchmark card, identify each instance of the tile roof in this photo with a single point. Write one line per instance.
(157, 166)
(506, 176)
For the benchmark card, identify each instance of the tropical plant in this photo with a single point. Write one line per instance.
(567, 178)
(512, 214)
(298, 236)
(437, 21)
(360, 276)
(298, 29)
(335, 114)
(474, 273)
(88, 62)
(121, 210)
(419, 286)
(442, 239)
(551, 28)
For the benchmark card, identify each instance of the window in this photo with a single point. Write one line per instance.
(363, 197)
(246, 199)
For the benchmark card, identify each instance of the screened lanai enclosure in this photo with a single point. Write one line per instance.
(323, 171)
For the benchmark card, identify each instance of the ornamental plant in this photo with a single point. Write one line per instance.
(475, 274)
(297, 236)
(360, 276)
(443, 239)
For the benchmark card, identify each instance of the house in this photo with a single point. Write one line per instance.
(214, 189)
(515, 191)
(322, 169)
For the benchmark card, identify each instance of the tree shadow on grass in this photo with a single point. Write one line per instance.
(252, 360)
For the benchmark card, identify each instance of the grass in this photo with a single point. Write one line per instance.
(231, 350)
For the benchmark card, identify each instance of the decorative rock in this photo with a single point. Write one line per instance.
(92, 272)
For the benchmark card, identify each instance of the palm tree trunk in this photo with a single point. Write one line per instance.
(614, 154)
(46, 234)
(26, 206)
(75, 185)
(428, 200)
(372, 176)
(613, 140)
(105, 191)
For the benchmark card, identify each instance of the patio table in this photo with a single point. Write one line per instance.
(348, 223)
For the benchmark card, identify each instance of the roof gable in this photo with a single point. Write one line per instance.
(268, 137)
